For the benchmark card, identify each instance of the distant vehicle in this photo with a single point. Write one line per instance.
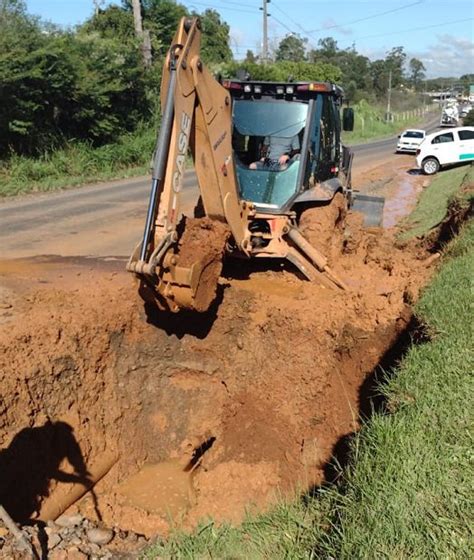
(446, 148)
(410, 139)
(450, 114)
(465, 110)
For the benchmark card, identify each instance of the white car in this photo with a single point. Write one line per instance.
(409, 140)
(448, 147)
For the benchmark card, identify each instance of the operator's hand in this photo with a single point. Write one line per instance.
(283, 160)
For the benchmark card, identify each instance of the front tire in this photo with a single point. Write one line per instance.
(430, 166)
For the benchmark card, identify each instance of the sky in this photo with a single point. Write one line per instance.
(438, 32)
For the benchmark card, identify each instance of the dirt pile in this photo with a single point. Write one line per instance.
(247, 401)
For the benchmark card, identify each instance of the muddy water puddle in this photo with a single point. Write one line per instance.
(398, 183)
(162, 488)
(402, 202)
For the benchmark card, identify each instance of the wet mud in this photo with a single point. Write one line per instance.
(203, 244)
(168, 419)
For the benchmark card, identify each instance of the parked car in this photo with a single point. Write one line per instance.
(446, 148)
(465, 110)
(410, 139)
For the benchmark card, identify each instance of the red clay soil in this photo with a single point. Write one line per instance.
(203, 244)
(251, 398)
(324, 226)
(271, 376)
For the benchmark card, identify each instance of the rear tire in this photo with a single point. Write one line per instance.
(430, 166)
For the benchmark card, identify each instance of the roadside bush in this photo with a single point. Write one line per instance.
(469, 118)
(77, 162)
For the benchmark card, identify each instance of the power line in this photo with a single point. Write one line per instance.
(252, 6)
(284, 25)
(289, 17)
(311, 31)
(243, 11)
(415, 29)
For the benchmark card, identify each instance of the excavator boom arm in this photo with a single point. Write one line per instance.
(196, 114)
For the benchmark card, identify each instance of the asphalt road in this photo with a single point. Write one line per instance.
(380, 148)
(106, 219)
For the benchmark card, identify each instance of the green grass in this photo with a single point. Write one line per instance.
(408, 492)
(434, 201)
(76, 164)
(79, 163)
(369, 124)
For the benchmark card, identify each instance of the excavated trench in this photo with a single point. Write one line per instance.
(143, 420)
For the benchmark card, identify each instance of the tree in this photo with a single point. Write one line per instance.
(281, 71)
(469, 118)
(417, 72)
(394, 62)
(215, 38)
(112, 22)
(327, 47)
(160, 18)
(292, 48)
(250, 57)
(142, 34)
(379, 76)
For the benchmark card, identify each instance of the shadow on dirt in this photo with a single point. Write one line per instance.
(185, 322)
(32, 461)
(415, 171)
(458, 213)
(371, 401)
(242, 269)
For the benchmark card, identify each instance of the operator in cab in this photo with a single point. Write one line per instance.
(278, 152)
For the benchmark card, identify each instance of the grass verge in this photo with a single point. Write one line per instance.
(77, 164)
(408, 490)
(370, 124)
(435, 199)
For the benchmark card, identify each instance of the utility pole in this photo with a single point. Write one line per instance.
(97, 5)
(388, 115)
(265, 30)
(143, 35)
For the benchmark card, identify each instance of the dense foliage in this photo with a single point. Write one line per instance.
(87, 84)
(90, 84)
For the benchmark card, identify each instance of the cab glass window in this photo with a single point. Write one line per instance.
(442, 138)
(413, 134)
(466, 134)
(254, 121)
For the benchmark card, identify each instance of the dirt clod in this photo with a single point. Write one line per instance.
(100, 536)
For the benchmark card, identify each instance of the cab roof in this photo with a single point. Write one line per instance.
(257, 88)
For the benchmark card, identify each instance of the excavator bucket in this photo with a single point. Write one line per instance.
(188, 274)
(371, 207)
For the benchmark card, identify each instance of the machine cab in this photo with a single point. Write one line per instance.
(298, 120)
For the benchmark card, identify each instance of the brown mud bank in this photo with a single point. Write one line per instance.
(176, 418)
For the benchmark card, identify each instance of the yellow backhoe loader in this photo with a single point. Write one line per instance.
(249, 205)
